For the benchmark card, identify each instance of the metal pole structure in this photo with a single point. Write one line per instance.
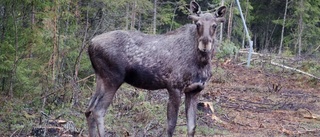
(248, 36)
(221, 25)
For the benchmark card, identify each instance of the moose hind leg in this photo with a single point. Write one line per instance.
(172, 110)
(191, 109)
(98, 106)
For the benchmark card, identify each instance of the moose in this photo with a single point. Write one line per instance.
(179, 61)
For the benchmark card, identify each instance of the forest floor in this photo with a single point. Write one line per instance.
(238, 101)
(263, 102)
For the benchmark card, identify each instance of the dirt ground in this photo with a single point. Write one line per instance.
(262, 102)
(259, 101)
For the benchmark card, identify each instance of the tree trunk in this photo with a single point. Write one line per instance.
(255, 39)
(244, 31)
(221, 25)
(3, 83)
(127, 16)
(139, 21)
(67, 20)
(300, 28)
(266, 40)
(172, 20)
(32, 28)
(283, 26)
(133, 15)
(55, 45)
(230, 22)
(32, 15)
(155, 17)
(3, 21)
(14, 65)
(75, 94)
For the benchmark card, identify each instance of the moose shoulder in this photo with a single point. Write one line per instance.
(178, 61)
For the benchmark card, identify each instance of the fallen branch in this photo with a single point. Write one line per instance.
(245, 51)
(294, 69)
(316, 49)
(312, 116)
(12, 135)
(252, 59)
(85, 78)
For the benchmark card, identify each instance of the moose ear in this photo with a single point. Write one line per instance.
(194, 17)
(195, 7)
(221, 11)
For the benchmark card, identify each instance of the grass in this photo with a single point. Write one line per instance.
(137, 112)
(133, 112)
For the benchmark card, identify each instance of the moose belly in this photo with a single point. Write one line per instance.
(145, 78)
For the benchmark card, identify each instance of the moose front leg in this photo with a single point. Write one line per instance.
(191, 109)
(172, 110)
(91, 124)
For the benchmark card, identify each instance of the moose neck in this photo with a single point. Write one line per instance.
(187, 37)
(203, 58)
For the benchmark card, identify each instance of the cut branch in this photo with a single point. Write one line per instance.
(294, 69)
(85, 78)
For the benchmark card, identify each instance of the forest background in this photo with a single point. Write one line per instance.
(45, 70)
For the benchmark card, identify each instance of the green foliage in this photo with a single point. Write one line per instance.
(133, 111)
(14, 116)
(167, 20)
(30, 29)
(307, 10)
(312, 67)
(287, 52)
(227, 49)
(6, 58)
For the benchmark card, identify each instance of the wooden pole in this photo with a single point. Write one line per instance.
(221, 25)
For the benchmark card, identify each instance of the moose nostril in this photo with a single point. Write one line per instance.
(206, 41)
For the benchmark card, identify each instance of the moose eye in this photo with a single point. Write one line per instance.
(214, 26)
(198, 24)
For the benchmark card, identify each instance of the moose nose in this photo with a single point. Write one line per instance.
(205, 41)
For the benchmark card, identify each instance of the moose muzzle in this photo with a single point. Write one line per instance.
(205, 44)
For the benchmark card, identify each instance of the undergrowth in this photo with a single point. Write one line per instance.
(137, 112)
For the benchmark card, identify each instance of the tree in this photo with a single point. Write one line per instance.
(283, 26)
(155, 17)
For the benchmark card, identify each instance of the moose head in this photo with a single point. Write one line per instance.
(206, 25)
